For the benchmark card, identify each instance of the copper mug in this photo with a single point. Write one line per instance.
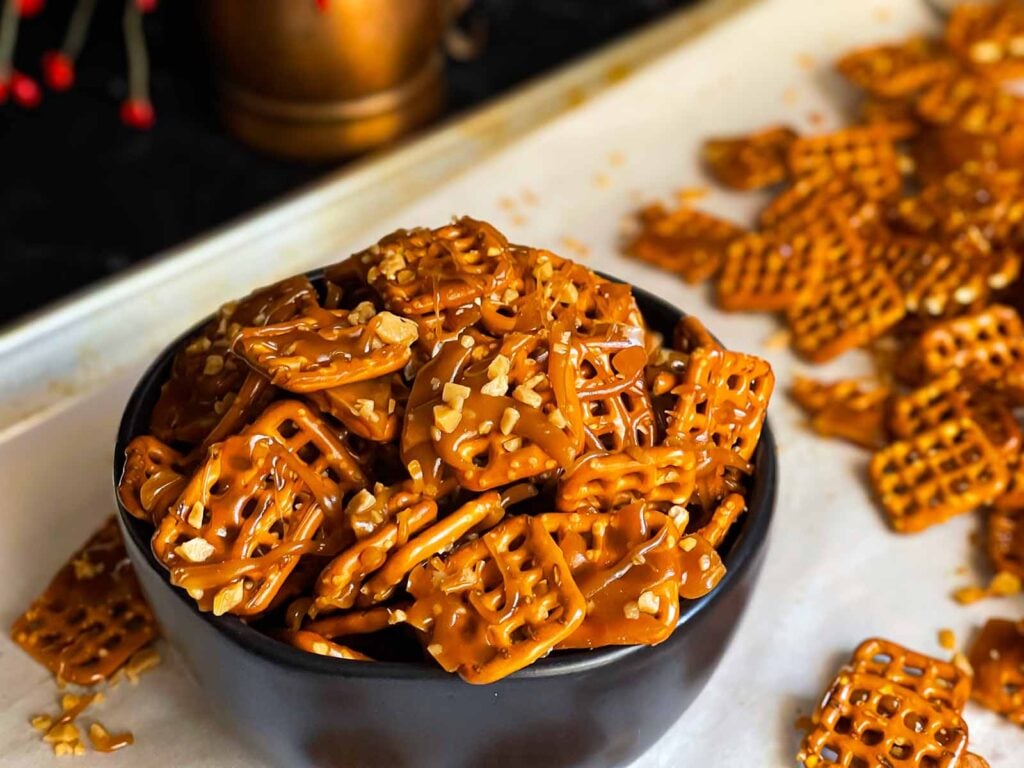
(316, 81)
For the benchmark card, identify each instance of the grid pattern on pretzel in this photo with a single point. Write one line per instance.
(822, 203)
(987, 35)
(1006, 534)
(896, 71)
(997, 657)
(750, 162)
(944, 472)
(988, 342)
(151, 480)
(940, 682)
(616, 409)
(605, 481)
(766, 273)
(686, 241)
(865, 156)
(92, 617)
(723, 400)
(928, 406)
(868, 721)
(502, 601)
(849, 310)
(934, 279)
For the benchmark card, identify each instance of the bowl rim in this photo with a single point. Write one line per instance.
(751, 537)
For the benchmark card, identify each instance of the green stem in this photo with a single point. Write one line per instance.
(78, 28)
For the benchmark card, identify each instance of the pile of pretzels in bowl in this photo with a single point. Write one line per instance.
(448, 446)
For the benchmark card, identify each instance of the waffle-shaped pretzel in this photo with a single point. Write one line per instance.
(934, 279)
(766, 273)
(497, 603)
(987, 36)
(690, 333)
(481, 513)
(1006, 534)
(235, 411)
(369, 509)
(825, 205)
(974, 195)
(897, 71)
(339, 583)
(952, 396)
(329, 348)
(311, 642)
(722, 519)
(609, 365)
(493, 414)
(205, 373)
(749, 162)
(664, 475)
(152, 478)
(986, 344)
(92, 617)
(853, 409)
(866, 720)
(723, 401)
(865, 155)
(353, 623)
(938, 474)
(686, 241)
(422, 271)
(702, 567)
(940, 682)
(371, 409)
(627, 566)
(997, 657)
(847, 311)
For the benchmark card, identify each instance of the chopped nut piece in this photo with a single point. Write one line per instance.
(528, 396)
(364, 408)
(42, 722)
(509, 419)
(499, 366)
(513, 444)
(467, 341)
(947, 639)
(227, 598)
(196, 550)
(446, 418)
(392, 264)
(496, 387)
(86, 569)
(631, 610)
(361, 502)
(485, 427)
(362, 314)
(195, 515)
(648, 602)
(557, 419)
(198, 346)
(214, 364)
(455, 394)
(141, 661)
(688, 544)
(968, 595)
(1004, 584)
(396, 330)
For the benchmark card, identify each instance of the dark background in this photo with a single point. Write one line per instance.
(82, 197)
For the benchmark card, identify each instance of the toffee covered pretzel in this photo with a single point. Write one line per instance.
(940, 682)
(685, 240)
(750, 162)
(358, 481)
(997, 657)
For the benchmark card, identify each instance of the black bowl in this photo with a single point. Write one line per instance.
(581, 708)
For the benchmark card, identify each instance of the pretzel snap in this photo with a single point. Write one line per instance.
(606, 481)
(938, 474)
(371, 409)
(750, 162)
(152, 478)
(868, 720)
(997, 657)
(897, 71)
(865, 156)
(92, 617)
(847, 311)
(767, 273)
(686, 241)
(497, 603)
(325, 348)
(205, 375)
(987, 344)
(627, 566)
(853, 409)
(1006, 534)
(988, 37)
(940, 682)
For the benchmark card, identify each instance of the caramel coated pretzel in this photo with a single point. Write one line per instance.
(987, 344)
(702, 567)
(663, 475)
(685, 241)
(1005, 543)
(205, 375)
(353, 623)
(339, 583)
(92, 617)
(997, 657)
(497, 603)
(311, 642)
(750, 162)
(987, 36)
(152, 478)
(690, 333)
(766, 273)
(627, 565)
(422, 271)
(729, 510)
(864, 155)
(897, 71)
(866, 720)
(371, 409)
(326, 348)
(493, 414)
(938, 474)
(847, 311)
(853, 409)
(722, 401)
(940, 682)
(829, 206)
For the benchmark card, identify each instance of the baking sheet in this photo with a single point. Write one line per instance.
(834, 573)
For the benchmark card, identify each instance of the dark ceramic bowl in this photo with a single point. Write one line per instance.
(580, 708)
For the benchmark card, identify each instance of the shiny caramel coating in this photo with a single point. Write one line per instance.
(940, 682)
(1005, 540)
(895, 71)
(749, 162)
(662, 476)
(372, 409)
(92, 617)
(686, 241)
(997, 657)
(152, 479)
(853, 409)
(768, 273)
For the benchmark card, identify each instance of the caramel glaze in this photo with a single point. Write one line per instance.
(321, 349)
(388, 394)
(152, 478)
(102, 741)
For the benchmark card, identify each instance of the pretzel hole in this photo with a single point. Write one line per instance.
(946, 736)
(859, 762)
(830, 754)
(859, 696)
(135, 623)
(219, 488)
(915, 722)
(76, 617)
(888, 706)
(900, 750)
(309, 453)
(843, 725)
(288, 429)
(872, 737)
